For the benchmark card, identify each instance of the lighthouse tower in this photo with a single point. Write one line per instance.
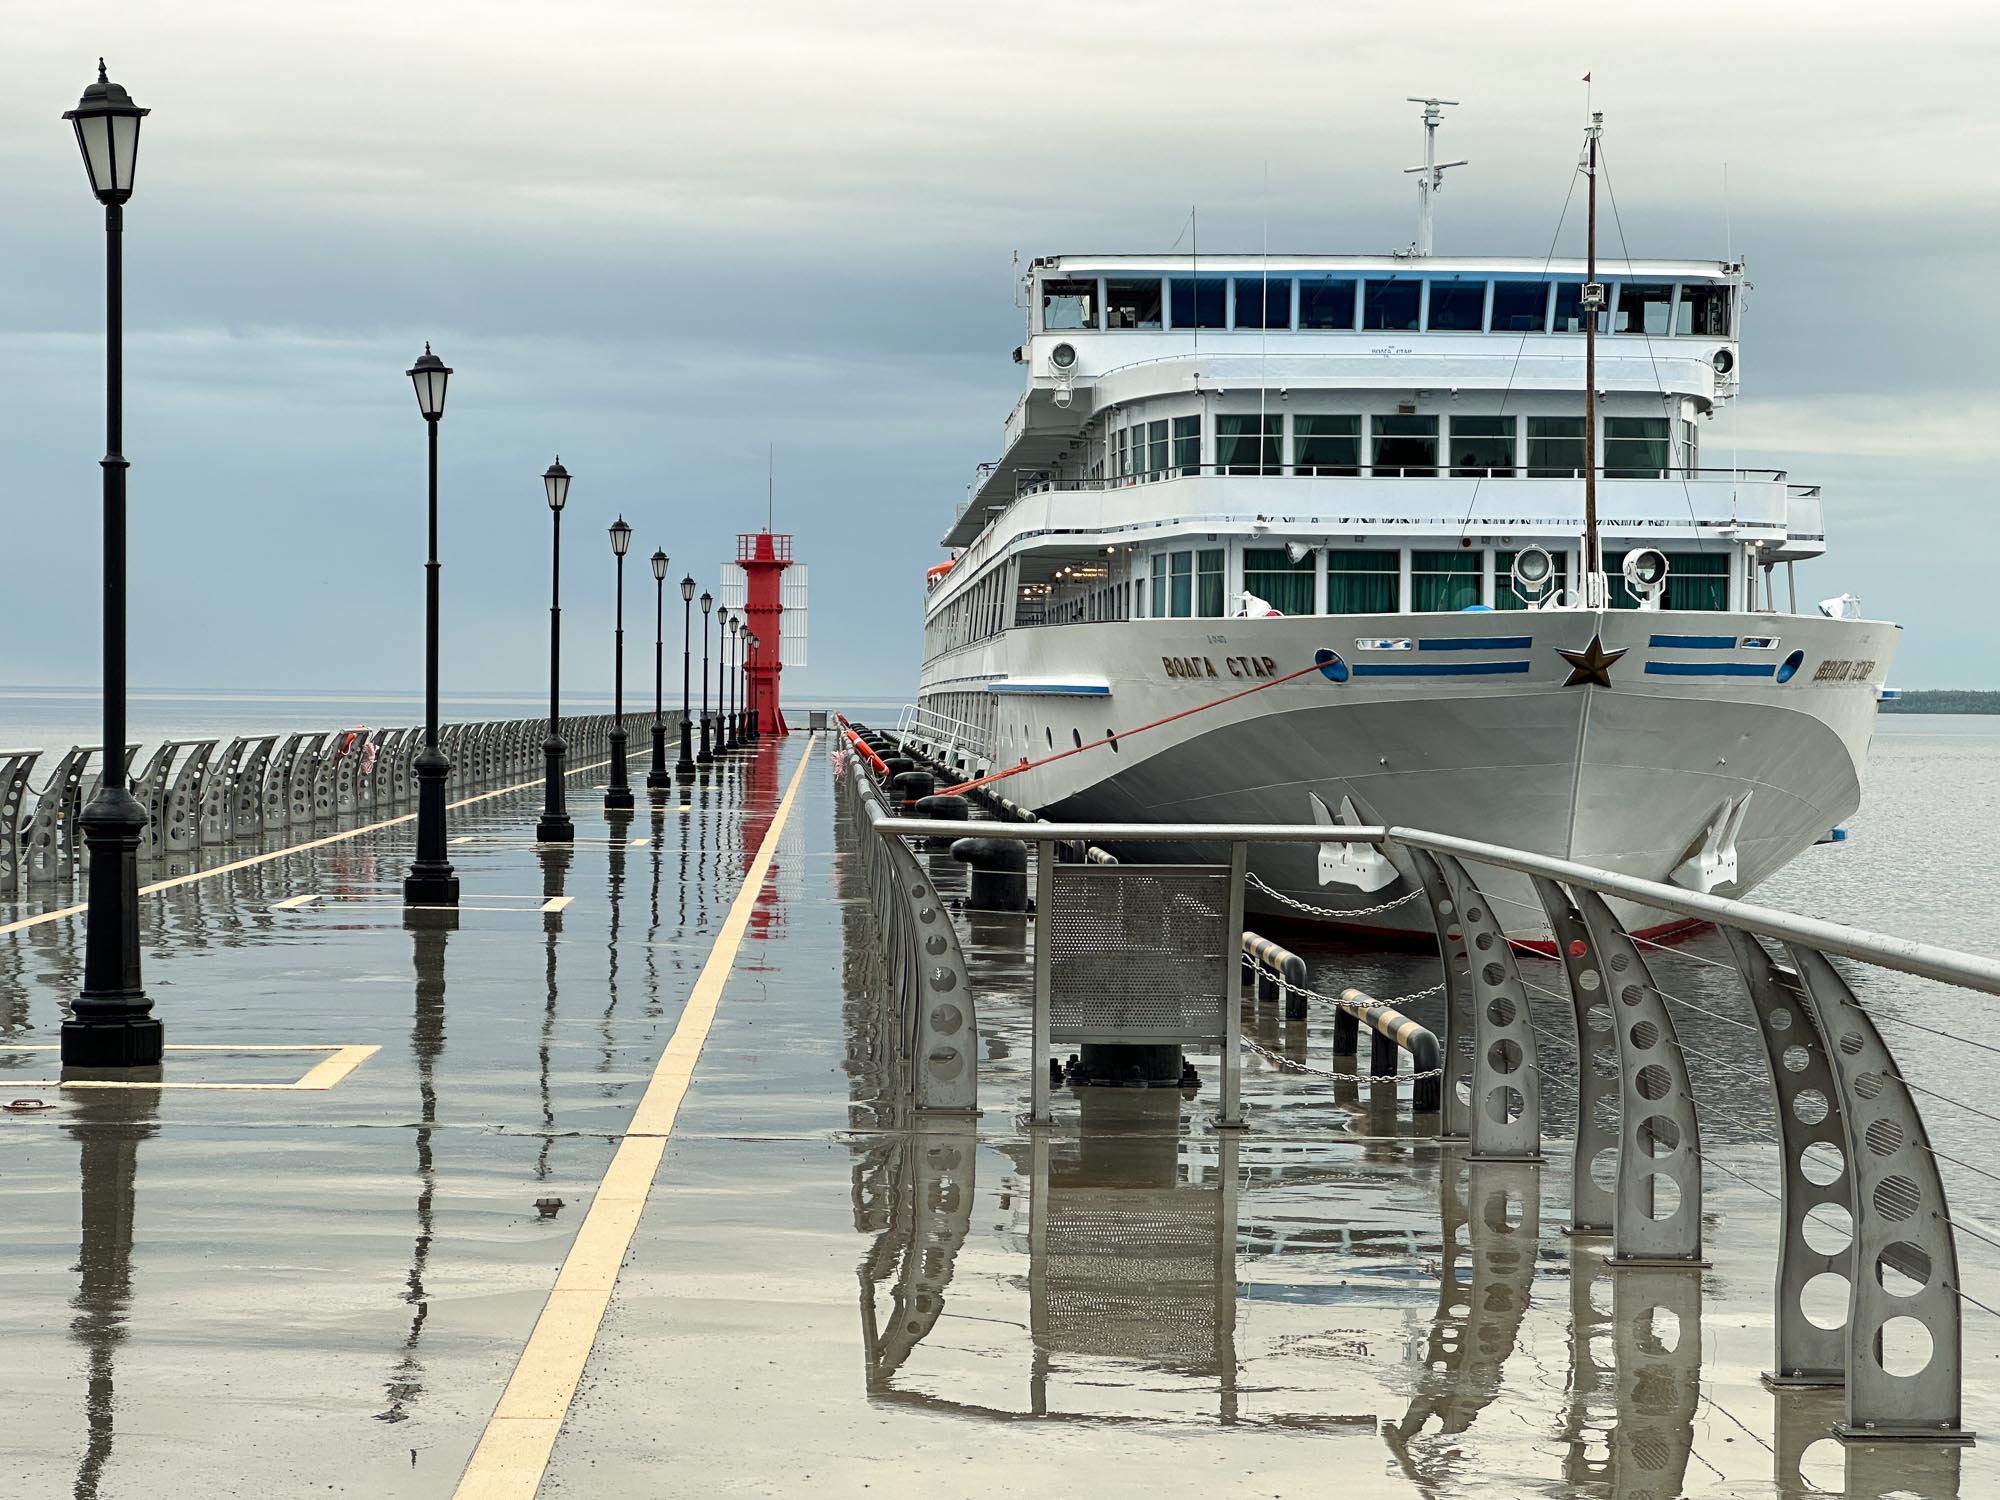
(764, 557)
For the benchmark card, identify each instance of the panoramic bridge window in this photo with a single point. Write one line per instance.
(1200, 301)
(1287, 586)
(1644, 307)
(1391, 304)
(1405, 446)
(1704, 311)
(1263, 302)
(1326, 444)
(1569, 308)
(1635, 447)
(1363, 582)
(1444, 580)
(1134, 304)
(1482, 447)
(1156, 447)
(1457, 306)
(1555, 447)
(1325, 302)
(1237, 447)
(1069, 304)
(1520, 306)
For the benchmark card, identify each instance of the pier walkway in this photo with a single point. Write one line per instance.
(601, 1188)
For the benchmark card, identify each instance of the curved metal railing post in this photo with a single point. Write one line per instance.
(180, 812)
(1594, 1155)
(14, 768)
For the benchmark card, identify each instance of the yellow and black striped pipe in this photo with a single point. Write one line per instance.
(1393, 1027)
(1278, 971)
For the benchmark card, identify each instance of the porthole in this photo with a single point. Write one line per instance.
(1331, 667)
(1049, 730)
(1789, 667)
(1077, 736)
(1111, 738)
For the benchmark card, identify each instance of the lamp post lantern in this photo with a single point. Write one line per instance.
(431, 881)
(112, 1023)
(555, 826)
(684, 768)
(707, 756)
(618, 796)
(657, 778)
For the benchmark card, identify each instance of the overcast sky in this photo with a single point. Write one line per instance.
(657, 239)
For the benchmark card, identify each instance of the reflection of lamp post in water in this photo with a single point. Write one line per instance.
(108, 1125)
(429, 933)
(555, 867)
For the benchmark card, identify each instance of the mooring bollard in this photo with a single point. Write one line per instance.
(906, 787)
(943, 807)
(1391, 1030)
(999, 873)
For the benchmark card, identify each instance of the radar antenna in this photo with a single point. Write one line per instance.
(1432, 171)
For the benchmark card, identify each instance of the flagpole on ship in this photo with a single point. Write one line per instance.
(1594, 589)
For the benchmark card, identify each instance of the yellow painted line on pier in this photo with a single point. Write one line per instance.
(514, 1449)
(339, 1062)
(260, 859)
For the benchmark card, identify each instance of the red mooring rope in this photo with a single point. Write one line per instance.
(1029, 765)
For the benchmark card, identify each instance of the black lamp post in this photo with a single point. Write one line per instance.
(657, 779)
(112, 1024)
(555, 826)
(684, 769)
(722, 744)
(618, 796)
(734, 651)
(707, 756)
(431, 881)
(750, 686)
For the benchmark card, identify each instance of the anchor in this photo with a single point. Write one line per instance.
(1711, 858)
(1359, 865)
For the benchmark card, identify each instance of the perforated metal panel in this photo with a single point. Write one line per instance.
(1131, 1274)
(1139, 953)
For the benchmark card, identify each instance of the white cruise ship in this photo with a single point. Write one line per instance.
(1293, 537)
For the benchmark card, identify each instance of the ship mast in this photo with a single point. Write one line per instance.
(1432, 170)
(1594, 591)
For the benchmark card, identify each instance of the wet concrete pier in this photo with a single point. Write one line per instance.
(603, 1187)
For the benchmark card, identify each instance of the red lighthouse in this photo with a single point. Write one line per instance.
(764, 557)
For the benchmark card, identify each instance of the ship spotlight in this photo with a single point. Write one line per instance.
(1533, 571)
(1646, 572)
(1061, 397)
(1063, 356)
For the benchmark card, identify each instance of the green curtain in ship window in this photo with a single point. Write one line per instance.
(1362, 582)
(1208, 599)
(1270, 574)
(1697, 580)
(1444, 580)
(1183, 585)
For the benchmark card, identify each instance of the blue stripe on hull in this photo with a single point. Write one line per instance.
(1710, 669)
(1438, 669)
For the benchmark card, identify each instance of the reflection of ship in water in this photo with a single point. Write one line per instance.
(108, 1125)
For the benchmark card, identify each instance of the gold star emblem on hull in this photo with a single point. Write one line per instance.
(1592, 664)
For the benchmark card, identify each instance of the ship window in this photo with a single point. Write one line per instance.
(1287, 586)
(1325, 303)
(1520, 306)
(1635, 447)
(1643, 307)
(1457, 306)
(1187, 444)
(1133, 304)
(1200, 301)
(1704, 310)
(1555, 447)
(1360, 582)
(1069, 304)
(1405, 446)
(1208, 598)
(1569, 308)
(1263, 302)
(1236, 444)
(1483, 447)
(1180, 584)
(1390, 304)
(1156, 448)
(1326, 445)
(1504, 596)
(1444, 580)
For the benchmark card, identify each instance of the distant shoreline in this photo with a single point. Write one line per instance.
(1943, 701)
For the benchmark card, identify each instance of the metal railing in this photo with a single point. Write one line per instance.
(1037, 483)
(1834, 1078)
(210, 793)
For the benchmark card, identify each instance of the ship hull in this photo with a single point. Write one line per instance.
(1469, 724)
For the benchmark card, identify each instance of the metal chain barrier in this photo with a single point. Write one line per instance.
(1292, 1066)
(1332, 911)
